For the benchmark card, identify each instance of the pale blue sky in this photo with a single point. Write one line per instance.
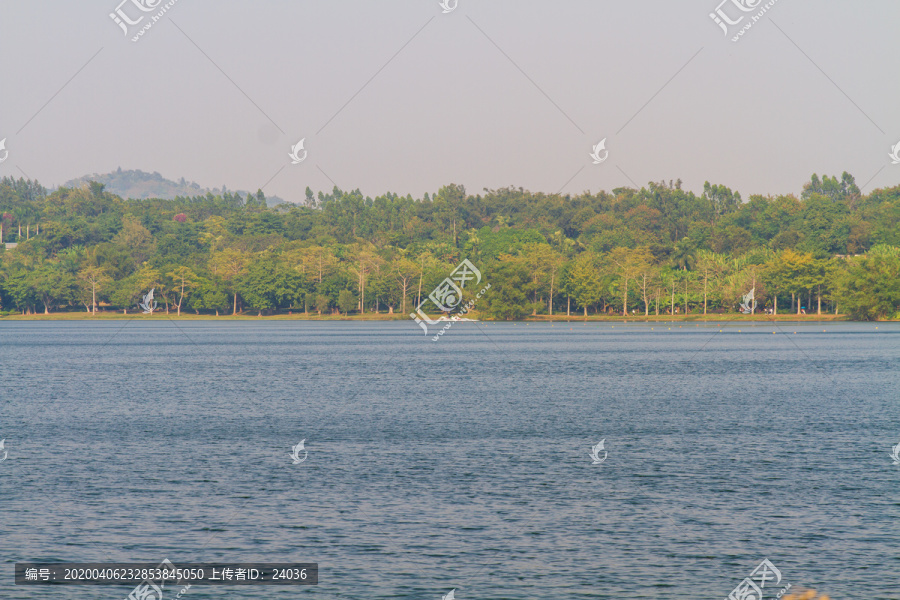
(494, 93)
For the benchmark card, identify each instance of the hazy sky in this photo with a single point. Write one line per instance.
(395, 95)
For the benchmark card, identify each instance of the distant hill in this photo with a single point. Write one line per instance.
(139, 185)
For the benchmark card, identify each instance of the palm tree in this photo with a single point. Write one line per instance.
(685, 254)
(563, 244)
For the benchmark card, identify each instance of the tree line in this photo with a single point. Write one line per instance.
(658, 250)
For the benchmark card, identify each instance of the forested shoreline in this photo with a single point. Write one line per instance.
(659, 250)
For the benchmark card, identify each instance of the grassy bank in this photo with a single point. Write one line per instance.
(300, 316)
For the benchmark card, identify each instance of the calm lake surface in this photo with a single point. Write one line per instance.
(462, 463)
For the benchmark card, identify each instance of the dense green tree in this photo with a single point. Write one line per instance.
(869, 287)
(583, 281)
(270, 284)
(209, 295)
(346, 301)
(506, 299)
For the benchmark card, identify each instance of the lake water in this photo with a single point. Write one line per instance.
(462, 463)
